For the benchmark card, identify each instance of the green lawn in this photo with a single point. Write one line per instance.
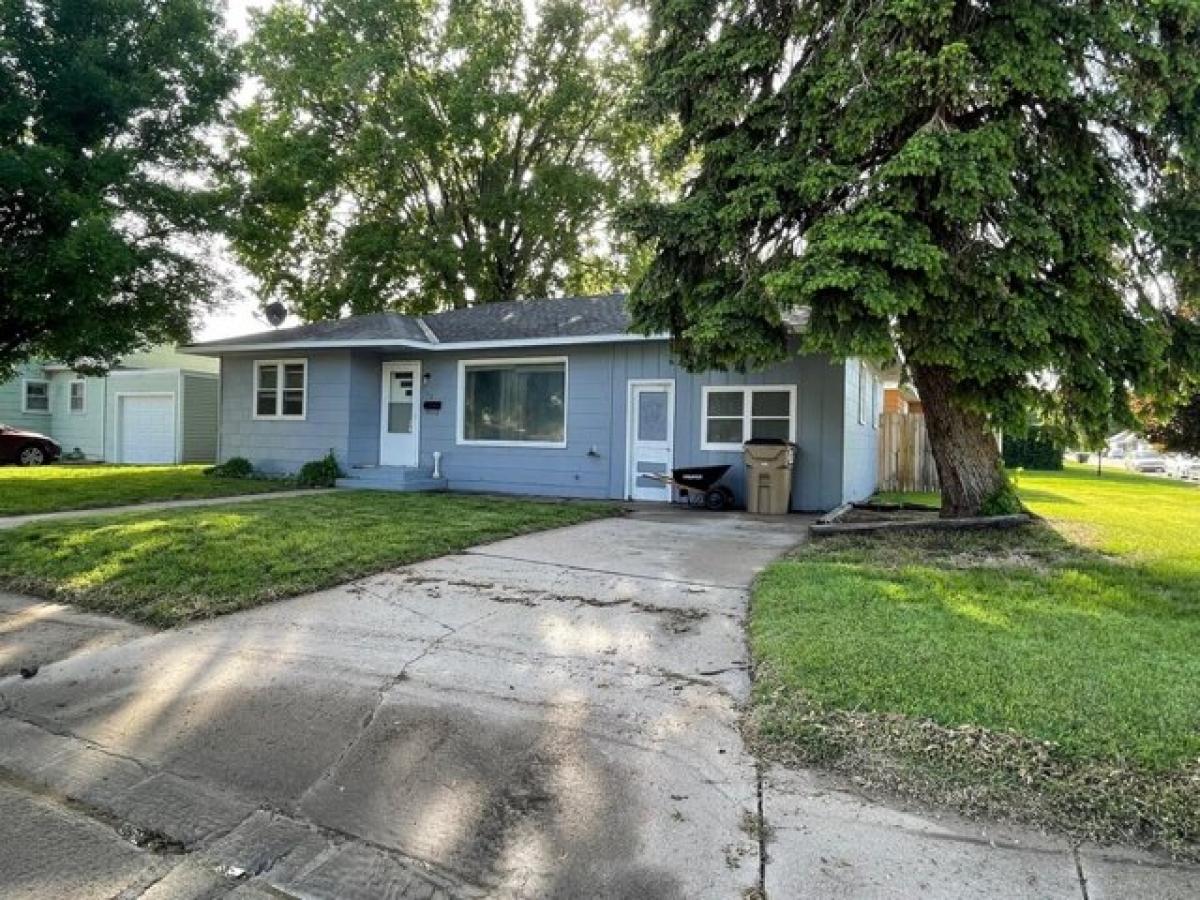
(1083, 632)
(172, 566)
(52, 488)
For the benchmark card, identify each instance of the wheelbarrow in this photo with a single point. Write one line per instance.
(697, 485)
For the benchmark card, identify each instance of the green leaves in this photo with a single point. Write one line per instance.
(423, 154)
(1003, 189)
(103, 107)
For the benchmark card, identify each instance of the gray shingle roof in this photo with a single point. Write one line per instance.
(532, 319)
(376, 326)
(567, 317)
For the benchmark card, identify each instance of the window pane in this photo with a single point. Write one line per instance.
(652, 416)
(76, 396)
(725, 403)
(542, 406)
(265, 405)
(770, 428)
(400, 387)
(293, 403)
(268, 377)
(515, 403)
(771, 403)
(400, 418)
(400, 403)
(37, 396)
(293, 375)
(724, 431)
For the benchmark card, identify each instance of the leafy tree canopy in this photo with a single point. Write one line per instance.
(419, 154)
(1004, 190)
(103, 106)
(1178, 432)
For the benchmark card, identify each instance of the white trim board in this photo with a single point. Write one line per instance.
(510, 344)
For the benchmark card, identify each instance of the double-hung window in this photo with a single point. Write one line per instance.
(521, 402)
(280, 388)
(36, 398)
(78, 397)
(734, 415)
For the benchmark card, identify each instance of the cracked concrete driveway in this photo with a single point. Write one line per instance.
(549, 716)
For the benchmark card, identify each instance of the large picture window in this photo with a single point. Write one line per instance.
(280, 387)
(734, 415)
(517, 401)
(36, 397)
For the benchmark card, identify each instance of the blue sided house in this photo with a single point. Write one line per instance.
(548, 397)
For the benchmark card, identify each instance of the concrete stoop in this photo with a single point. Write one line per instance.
(391, 478)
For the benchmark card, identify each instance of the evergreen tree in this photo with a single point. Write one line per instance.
(1003, 190)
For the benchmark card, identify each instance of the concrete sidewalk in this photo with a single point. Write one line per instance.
(550, 716)
(17, 521)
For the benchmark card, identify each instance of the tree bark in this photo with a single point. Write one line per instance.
(964, 447)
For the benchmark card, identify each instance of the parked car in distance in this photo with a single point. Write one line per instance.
(1183, 466)
(26, 448)
(1146, 462)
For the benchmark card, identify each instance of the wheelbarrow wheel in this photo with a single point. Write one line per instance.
(715, 499)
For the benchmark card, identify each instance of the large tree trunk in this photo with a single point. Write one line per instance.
(964, 447)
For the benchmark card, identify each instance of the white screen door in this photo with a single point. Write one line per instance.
(401, 414)
(651, 434)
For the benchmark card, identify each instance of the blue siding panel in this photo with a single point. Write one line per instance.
(344, 403)
(284, 445)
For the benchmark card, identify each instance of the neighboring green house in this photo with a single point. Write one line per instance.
(154, 407)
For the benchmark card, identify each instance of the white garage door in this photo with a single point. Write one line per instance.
(146, 429)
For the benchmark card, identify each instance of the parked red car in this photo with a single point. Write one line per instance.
(26, 448)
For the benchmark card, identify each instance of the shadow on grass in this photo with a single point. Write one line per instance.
(184, 564)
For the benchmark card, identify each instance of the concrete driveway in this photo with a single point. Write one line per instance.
(549, 716)
(554, 715)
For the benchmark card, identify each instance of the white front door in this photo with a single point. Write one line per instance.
(400, 417)
(651, 431)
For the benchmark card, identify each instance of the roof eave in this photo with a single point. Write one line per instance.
(404, 343)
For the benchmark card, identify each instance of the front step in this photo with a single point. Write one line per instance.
(391, 478)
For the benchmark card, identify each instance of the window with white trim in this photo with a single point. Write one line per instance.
(280, 388)
(876, 396)
(513, 401)
(36, 397)
(78, 396)
(733, 415)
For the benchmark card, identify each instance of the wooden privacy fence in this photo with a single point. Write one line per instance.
(905, 460)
